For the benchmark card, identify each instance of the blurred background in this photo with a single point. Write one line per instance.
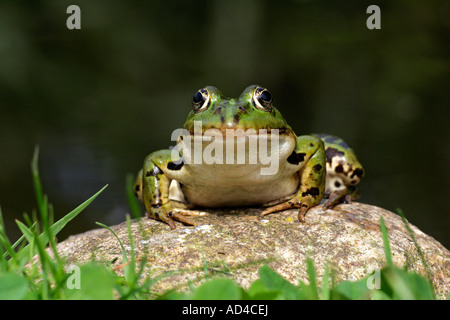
(99, 99)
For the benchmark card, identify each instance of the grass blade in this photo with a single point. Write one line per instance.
(387, 246)
(416, 244)
(312, 279)
(4, 242)
(325, 291)
(133, 202)
(59, 225)
(37, 184)
(124, 252)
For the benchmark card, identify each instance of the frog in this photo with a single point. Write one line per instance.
(173, 184)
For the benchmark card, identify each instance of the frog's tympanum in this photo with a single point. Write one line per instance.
(241, 152)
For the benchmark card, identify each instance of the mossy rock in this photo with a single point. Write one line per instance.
(236, 242)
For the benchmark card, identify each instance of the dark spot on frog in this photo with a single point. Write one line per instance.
(295, 158)
(157, 199)
(358, 172)
(218, 110)
(175, 166)
(337, 184)
(332, 152)
(339, 169)
(242, 110)
(280, 130)
(137, 188)
(236, 118)
(311, 192)
(317, 167)
(154, 172)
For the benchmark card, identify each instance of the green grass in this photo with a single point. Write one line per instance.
(31, 268)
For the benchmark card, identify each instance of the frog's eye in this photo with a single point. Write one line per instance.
(262, 99)
(201, 100)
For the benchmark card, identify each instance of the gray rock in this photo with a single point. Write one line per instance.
(238, 242)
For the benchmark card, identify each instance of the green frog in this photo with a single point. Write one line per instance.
(242, 152)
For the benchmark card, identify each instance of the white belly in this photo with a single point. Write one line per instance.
(213, 182)
(234, 187)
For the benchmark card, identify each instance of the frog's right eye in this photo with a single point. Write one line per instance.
(201, 100)
(262, 99)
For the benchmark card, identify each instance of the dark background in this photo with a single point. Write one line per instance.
(99, 99)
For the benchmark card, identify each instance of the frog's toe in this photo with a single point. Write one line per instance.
(181, 217)
(291, 204)
(302, 213)
(280, 207)
(166, 218)
(188, 212)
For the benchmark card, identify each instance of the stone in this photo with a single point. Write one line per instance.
(237, 242)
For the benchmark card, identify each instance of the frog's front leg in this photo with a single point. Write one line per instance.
(152, 187)
(309, 155)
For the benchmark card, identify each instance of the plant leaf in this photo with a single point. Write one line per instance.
(386, 244)
(57, 226)
(12, 286)
(218, 289)
(274, 281)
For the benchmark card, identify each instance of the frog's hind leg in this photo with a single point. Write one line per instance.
(346, 195)
(343, 171)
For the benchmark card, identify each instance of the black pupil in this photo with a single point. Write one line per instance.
(198, 97)
(265, 96)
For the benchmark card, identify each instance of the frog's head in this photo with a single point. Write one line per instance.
(253, 109)
(217, 122)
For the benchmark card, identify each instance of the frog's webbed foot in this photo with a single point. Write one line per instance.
(346, 195)
(291, 204)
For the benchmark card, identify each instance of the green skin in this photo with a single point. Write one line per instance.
(310, 167)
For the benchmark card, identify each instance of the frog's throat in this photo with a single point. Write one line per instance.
(251, 148)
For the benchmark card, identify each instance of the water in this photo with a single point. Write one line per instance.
(99, 99)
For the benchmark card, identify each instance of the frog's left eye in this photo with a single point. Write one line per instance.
(262, 99)
(201, 100)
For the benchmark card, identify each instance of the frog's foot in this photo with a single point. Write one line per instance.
(189, 212)
(181, 215)
(291, 204)
(346, 195)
